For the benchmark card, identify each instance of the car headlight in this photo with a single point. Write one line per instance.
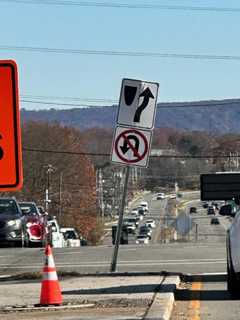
(16, 222)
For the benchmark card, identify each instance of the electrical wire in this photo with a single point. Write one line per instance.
(169, 105)
(216, 156)
(64, 152)
(122, 53)
(108, 4)
(58, 103)
(68, 98)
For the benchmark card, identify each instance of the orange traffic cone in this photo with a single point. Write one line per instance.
(50, 291)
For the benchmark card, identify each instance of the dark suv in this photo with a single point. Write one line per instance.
(12, 223)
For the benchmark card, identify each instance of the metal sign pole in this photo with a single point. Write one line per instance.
(120, 220)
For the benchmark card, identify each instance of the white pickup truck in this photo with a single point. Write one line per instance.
(56, 237)
(71, 237)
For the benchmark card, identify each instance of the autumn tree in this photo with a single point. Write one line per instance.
(72, 179)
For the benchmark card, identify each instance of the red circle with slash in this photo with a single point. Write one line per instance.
(123, 135)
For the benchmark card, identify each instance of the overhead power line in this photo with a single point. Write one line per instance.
(97, 100)
(58, 103)
(122, 53)
(230, 103)
(109, 4)
(152, 156)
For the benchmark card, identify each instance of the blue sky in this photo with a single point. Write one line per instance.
(121, 29)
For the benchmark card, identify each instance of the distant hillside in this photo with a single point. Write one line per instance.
(222, 116)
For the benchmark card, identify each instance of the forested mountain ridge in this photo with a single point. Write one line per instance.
(215, 116)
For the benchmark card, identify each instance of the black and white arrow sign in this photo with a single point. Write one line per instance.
(137, 106)
(147, 95)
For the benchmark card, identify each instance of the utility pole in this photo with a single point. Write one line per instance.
(60, 197)
(47, 191)
(100, 189)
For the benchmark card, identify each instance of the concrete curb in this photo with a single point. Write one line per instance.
(162, 305)
(45, 308)
(36, 276)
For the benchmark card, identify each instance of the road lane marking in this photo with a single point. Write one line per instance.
(104, 264)
(194, 307)
(187, 261)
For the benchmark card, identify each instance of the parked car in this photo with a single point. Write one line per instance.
(142, 239)
(36, 223)
(160, 196)
(12, 223)
(71, 237)
(55, 237)
(150, 223)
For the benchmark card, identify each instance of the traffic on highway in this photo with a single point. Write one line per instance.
(177, 233)
(24, 224)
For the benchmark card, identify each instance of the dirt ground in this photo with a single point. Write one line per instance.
(89, 313)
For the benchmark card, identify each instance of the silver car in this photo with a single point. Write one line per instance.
(233, 250)
(142, 239)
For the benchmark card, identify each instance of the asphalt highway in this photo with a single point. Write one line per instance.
(204, 252)
(200, 256)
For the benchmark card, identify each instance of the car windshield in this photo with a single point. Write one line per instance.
(28, 208)
(70, 234)
(8, 207)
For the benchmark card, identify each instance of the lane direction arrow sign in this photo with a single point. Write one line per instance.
(131, 146)
(137, 105)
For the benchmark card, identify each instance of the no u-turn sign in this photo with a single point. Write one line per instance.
(131, 146)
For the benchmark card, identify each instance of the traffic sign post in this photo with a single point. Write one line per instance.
(11, 177)
(120, 222)
(131, 144)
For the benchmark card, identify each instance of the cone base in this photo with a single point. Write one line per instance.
(50, 293)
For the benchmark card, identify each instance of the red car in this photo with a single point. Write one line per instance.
(36, 223)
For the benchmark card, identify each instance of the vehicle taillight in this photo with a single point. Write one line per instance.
(36, 230)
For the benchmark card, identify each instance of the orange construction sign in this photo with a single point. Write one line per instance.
(11, 177)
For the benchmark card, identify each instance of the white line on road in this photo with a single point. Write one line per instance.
(125, 263)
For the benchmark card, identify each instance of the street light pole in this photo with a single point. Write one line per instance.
(47, 191)
(60, 197)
